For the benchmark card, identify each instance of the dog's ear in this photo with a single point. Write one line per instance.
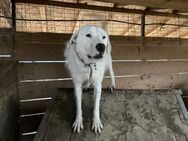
(74, 37)
(109, 47)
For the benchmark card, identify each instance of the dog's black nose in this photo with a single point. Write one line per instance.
(100, 48)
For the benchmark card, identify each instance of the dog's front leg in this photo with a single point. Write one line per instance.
(78, 123)
(112, 76)
(97, 125)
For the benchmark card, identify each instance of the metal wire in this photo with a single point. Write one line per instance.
(118, 21)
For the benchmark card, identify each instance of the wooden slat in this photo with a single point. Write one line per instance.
(51, 47)
(57, 70)
(8, 102)
(30, 124)
(49, 89)
(27, 138)
(7, 73)
(48, 52)
(26, 37)
(59, 38)
(179, 5)
(131, 53)
(5, 44)
(33, 107)
(109, 9)
(42, 71)
(39, 51)
(41, 89)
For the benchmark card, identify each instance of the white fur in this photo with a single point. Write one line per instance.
(85, 46)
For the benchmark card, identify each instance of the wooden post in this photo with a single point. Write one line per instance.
(13, 26)
(143, 28)
(8, 102)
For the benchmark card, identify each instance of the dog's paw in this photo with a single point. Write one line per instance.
(78, 125)
(111, 88)
(97, 125)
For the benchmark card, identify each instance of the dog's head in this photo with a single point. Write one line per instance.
(91, 41)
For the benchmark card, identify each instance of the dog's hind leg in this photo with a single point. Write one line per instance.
(97, 125)
(78, 123)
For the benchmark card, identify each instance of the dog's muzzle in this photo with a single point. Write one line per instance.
(101, 49)
(98, 56)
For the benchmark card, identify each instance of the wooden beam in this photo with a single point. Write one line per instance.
(101, 8)
(180, 5)
(13, 2)
(143, 27)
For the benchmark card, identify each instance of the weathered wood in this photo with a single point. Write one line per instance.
(59, 38)
(180, 5)
(39, 51)
(37, 71)
(46, 47)
(38, 46)
(30, 123)
(26, 37)
(7, 73)
(27, 138)
(8, 102)
(142, 115)
(49, 52)
(102, 8)
(33, 107)
(49, 88)
(6, 44)
(9, 114)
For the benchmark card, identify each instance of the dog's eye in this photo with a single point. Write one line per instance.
(103, 37)
(88, 35)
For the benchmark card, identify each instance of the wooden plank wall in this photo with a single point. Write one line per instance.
(9, 102)
(158, 64)
(6, 46)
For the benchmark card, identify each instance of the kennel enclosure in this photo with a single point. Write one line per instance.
(149, 51)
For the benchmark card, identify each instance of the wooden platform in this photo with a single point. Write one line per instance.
(127, 115)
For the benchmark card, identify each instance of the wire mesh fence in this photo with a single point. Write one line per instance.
(67, 20)
(45, 18)
(5, 14)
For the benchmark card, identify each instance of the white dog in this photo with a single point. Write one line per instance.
(88, 55)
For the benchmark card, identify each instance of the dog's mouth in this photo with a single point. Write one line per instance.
(98, 56)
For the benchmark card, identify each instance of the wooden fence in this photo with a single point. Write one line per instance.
(156, 63)
(8, 102)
